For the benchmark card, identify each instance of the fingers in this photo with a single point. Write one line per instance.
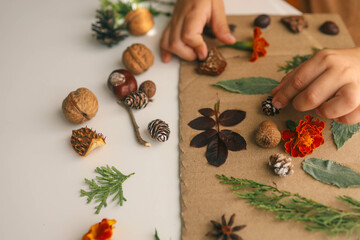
(351, 118)
(297, 80)
(219, 23)
(192, 34)
(166, 56)
(344, 105)
(319, 91)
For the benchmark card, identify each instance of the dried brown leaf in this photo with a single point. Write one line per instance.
(202, 123)
(216, 152)
(231, 117)
(207, 112)
(232, 140)
(203, 138)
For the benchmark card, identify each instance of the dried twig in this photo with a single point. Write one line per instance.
(136, 127)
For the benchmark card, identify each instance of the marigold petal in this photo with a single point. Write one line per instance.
(100, 231)
(287, 134)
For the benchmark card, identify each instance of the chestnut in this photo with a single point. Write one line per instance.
(122, 82)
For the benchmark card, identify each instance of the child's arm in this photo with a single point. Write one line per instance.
(182, 36)
(328, 82)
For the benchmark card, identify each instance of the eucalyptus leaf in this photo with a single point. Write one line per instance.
(343, 132)
(251, 85)
(332, 173)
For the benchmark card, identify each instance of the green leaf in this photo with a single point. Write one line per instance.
(332, 173)
(291, 125)
(251, 85)
(343, 132)
(108, 183)
(156, 235)
(240, 45)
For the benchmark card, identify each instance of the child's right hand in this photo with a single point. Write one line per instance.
(182, 36)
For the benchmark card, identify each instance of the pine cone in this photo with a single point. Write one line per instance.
(268, 108)
(106, 30)
(159, 130)
(281, 165)
(136, 100)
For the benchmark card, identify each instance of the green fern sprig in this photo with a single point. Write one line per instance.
(108, 183)
(290, 206)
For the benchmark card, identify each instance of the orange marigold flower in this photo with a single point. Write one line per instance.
(100, 231)
(306, 137)
(259, 44)
(256, 46)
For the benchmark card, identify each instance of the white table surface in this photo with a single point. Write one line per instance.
(46, 51)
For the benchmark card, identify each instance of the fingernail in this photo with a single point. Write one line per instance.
(201, 56)
(230, 37)
(277, 104)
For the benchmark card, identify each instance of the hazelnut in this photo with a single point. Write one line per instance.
(268, 135)
(122, 83)
(80, 105)
(139, 21)
(138, 58)
(148, 87)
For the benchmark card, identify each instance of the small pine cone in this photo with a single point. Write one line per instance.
(268, 108)
(105, 29)
(159, 130)
(136, 100)
(281, 165)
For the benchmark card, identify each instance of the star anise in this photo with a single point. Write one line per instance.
(225, 231)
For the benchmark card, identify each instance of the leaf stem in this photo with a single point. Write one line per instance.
(240, 45)
(136, 126)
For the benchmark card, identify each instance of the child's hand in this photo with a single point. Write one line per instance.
(183, 37)
(328, 82)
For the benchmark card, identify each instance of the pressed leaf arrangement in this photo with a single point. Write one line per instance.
(343, 132)
(332, 173)
(218, 142)
(292, 206)
(108, 183)
(250, 86)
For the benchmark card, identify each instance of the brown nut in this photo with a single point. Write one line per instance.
(214, 64)
(138, 58)
(80, 105)
(139, 21)
(268, 135)
(149, 88)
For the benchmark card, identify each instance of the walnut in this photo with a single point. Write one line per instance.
(268, 135)
(84, 140)
(80, 105)
(139, 21)
(148, 87)
(138, 58)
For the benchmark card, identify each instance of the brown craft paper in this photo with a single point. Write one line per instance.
(203, 198)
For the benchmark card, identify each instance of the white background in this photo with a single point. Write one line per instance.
(46, 51)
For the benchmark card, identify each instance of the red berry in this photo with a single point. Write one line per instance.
(122, 82)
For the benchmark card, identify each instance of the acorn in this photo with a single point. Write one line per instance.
(268, 135)
(148, 87)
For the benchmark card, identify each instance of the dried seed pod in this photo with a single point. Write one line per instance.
(262, 21)
(84, 140)
(281, 165)
(329, 28)
(159, 130)
(138, 58)
(214, 64)
(268, 135)
(80, 105)
(295, 23)
(149, 88)
(136, 100)
(139, 21)
(268, 108)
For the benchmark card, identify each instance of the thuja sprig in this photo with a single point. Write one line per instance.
(292, 206)
(108, 183)
(294, 62)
